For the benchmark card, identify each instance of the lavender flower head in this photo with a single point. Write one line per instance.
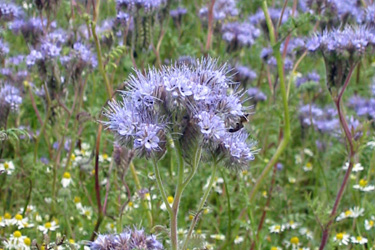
(239, 34)
(256, 95)
(341, 49)
(4, 49)
(10, 97)
(190, 103)
(9, 12)
(244, 74)
(137, 6)
(129, 239)
(222, 9)
(309, 77)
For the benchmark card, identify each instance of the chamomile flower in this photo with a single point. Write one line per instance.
(294, 241)
(292, 225)
(16, 241)
(238, 239)
(216, 186)
(66, 180)
(104, 158)
(356, 168)
(217, 236)
(110, 227)
(354, 212)
(307, 233)
(342, 238)
(170, 202)
(19, 221)
(48, 226)
(276, 248)
(86, 211)
(7, 167)
(359, 240)
(276, 228)
(77, 202)
(363, 186)
(369, 224)
(308, 167)
(7, 219)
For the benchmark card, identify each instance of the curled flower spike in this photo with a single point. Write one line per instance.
(194, 104)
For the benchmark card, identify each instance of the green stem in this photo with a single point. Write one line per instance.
(161, 187)
(201, 205)
(286, 139)
(100, 60)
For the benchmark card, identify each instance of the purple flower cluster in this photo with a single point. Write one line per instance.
(244, 74)
(222, 9)
(191, 103)
(349, 42)
(10, 97)
(256, 95)
(9, 12)
(309, 77)
(363, 106)
(129, 239)
(323, 120)
(4, 49)
(239, 34)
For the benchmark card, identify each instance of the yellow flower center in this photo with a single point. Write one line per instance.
(17, 234)
(87, 213)
(348, 212)
(205, 211)
(274, 248)
(1, 218)
(339, 236)
(112, 225)
(147, 196)
(199, 231)
(359, 238)
(18, 217)
(309, 165)
(371, 223)
(105, 156)
(71, 241)
(48, 225)
(66, 175)
(77, 199)
(7, 216)
(170, 199)
(27, 241)
(294, 240)
(277, 227)
(6, 165)
(73, 157)
(244, 172)
(191, 217)
(291, 222)
(363, 183)
(26, 84)
(130, 204)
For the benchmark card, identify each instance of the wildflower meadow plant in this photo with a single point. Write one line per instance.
(198, 111)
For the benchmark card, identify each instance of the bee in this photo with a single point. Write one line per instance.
(240, 123)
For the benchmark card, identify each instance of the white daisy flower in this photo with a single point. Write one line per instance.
(17, 241)
(104, 158)
(86, 211)
(356, 168)
(370, 223)
(371, 144)
(170, 202)
(308, 167)
(359, 240)
(7, 220)
(238, 239)
(276, 248)
(49, 226)
(276, 228)
(66, 180)
(308, 152)
(19, 221)
(217, 236)
(306, 232)
(292, 225)
(7, 167)
(363, 186)
(342, 238)
(216, 185)
(354, 212)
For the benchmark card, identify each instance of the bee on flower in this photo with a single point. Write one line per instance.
(7, 167)
(48, 226)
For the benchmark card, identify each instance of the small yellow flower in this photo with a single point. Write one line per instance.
(7, 216)
(27, 241)
(170, 199)
(363, 183)
(17, 234)
(339, 236)
(294, 240)
(71, 241)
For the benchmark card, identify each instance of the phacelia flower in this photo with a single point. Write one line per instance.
(239, 35)
(222, 9)
(128, 239)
